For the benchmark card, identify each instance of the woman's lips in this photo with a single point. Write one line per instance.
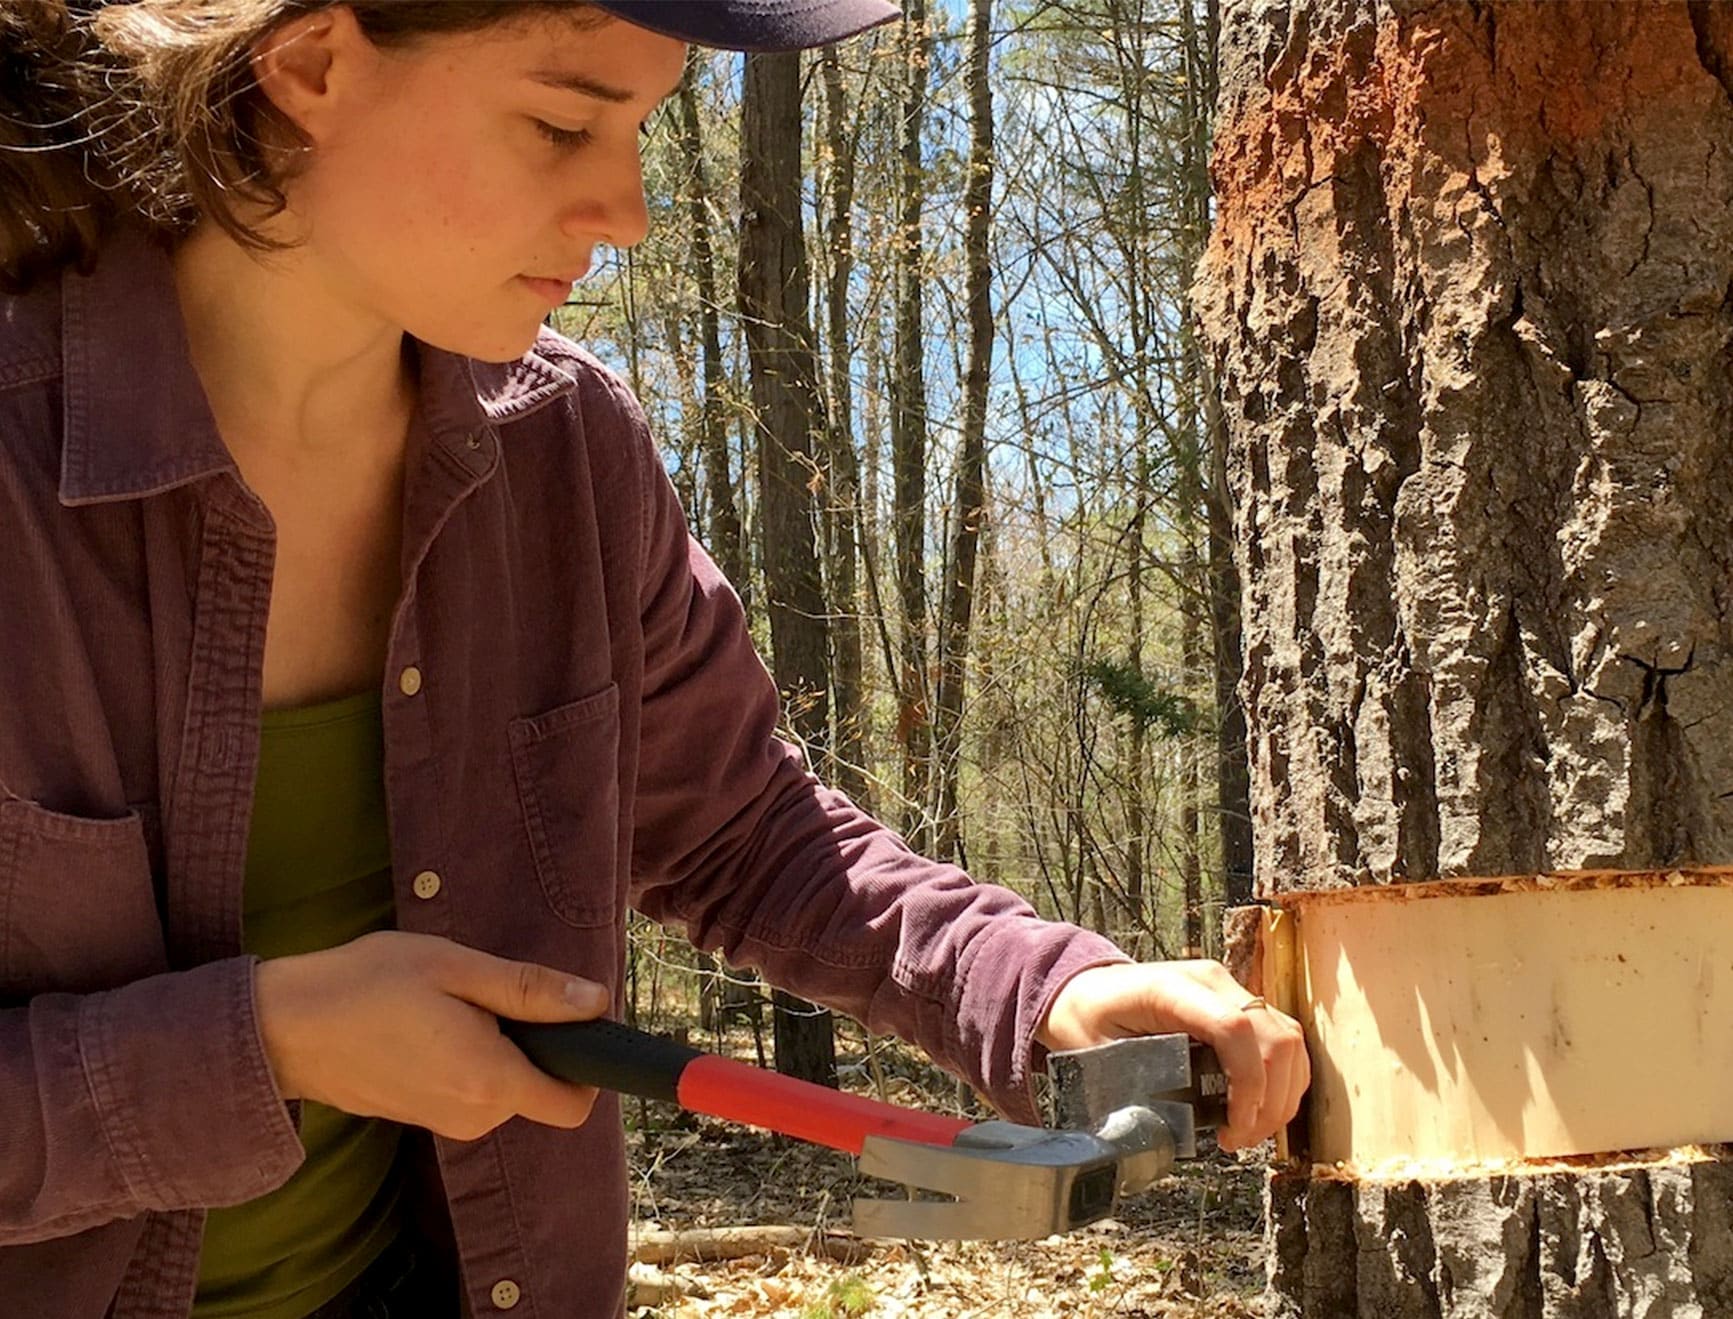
(555, 291)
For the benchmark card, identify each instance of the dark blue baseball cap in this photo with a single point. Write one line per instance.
(754, 24)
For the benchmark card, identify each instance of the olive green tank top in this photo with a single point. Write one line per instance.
(318, 874)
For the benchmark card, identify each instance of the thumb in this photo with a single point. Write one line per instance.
(525, 991)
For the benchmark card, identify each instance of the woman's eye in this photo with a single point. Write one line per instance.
(567, 139)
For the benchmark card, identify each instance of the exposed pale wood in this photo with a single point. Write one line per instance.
(1277, 983)
(1452, 1032)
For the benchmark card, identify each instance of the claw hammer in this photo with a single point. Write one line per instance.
(1125, 1110)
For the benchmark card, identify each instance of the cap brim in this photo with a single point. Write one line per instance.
(763, 25)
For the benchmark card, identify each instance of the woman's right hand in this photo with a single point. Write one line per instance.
(405, 1026)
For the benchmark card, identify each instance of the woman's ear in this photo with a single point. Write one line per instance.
(310, 67)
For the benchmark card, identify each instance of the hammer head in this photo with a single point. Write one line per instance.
(1007, 1183)
(1171, 1075)
(1125, 1111)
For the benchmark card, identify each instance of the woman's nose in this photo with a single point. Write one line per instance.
(614, 210)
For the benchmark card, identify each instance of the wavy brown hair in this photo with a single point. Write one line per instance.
(148, 110)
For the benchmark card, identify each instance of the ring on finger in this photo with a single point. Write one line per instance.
(1254, 1004)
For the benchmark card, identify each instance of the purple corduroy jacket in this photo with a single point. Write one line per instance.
(575, 722)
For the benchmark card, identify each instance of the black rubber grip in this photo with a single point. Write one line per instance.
(605, 1054)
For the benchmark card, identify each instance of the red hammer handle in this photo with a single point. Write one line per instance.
(616, 1057)
(724, 1088)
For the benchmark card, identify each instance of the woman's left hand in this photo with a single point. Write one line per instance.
(1262, 1050)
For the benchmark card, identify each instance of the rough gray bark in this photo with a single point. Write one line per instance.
(1469, 288)
(1471, 298)
(1651, 1243)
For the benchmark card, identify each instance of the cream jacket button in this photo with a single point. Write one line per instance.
(409, 681)
(506, 1293)
(427, 884)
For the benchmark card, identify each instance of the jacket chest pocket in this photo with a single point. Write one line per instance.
(77, 908)
(566, 763)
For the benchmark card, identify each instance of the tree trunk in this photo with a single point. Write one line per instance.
(724, 523)
(842, 513)
(1200, 573)
(1469, 296)
(1233, 787)
(785, 399)
(1191, 779)
(970, 501)
(1143, 912)
(691, 437)
(1233, 776)
(909, 435)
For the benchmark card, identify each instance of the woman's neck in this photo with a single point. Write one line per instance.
(287, 362)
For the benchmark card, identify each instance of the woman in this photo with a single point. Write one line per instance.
(359, 671)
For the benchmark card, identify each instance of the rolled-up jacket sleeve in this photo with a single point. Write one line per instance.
(739, 843)
(153, 1096)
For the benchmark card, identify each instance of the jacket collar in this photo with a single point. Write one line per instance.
(136, 419)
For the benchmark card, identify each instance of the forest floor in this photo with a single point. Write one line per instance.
(1191, 1246)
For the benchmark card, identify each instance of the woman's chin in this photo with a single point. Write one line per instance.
(497, 344)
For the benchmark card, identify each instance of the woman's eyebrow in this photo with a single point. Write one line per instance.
(581, 83)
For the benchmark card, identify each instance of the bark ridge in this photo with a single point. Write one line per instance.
(1645, 1243)
(1469, 293)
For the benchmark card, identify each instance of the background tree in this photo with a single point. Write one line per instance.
(843, 528)
(969, 506)
(908, 402)
(787, 415)
(723, 525)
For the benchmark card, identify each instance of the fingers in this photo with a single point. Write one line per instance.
(1266, 1118)
(526, 991)
(527, 1091)
(1299, 1079)
(1272, 1075)
(491, 1084)
(1278, 1054)
(406, 1027)
(1261, 1050)
(505, 1087)
(522, 991)
(473, 1078)
(1238, 1046)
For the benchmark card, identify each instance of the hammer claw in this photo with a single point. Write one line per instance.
(1009, 1183)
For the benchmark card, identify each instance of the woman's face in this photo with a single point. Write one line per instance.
(458, 186)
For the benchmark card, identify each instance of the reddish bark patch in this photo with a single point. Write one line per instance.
(1558, 881)
(1454, 95)
(1619, 1161)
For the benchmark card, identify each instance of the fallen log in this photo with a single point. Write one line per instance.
(649, 1286)
(707, 1245)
